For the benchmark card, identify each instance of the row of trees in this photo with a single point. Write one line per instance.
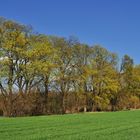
(42, 74)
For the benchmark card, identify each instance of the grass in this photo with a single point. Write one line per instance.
(123, 125)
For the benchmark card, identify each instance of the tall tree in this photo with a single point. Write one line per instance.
(42, 62)
(81, 59)
(63, 72)
(13, 45)
(103, 77)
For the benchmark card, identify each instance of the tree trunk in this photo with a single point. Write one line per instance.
(46, 95)
(8, 107)
(62, 103)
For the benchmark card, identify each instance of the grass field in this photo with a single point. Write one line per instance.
(90, 126)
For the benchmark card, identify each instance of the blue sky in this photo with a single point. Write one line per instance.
(114, 24)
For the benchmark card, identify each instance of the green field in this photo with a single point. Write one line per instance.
(89, 126)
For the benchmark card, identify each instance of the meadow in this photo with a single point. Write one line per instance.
(123, 125)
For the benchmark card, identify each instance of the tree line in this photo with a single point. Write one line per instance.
(42, 74)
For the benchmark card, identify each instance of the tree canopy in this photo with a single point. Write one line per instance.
(42, 74)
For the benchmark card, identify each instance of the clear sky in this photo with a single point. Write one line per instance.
(115, 24)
